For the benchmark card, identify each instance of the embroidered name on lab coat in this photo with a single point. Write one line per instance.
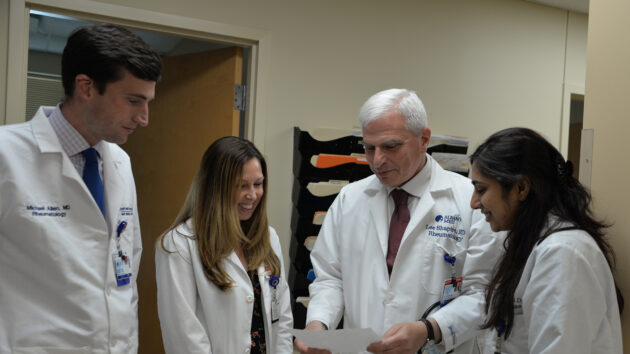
(48, 210)
(445, 226)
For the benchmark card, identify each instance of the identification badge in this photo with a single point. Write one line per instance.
(122, 267)
(275, 303)
(452, 288)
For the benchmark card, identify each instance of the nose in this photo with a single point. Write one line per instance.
(475, 203)
(142, 116)
(379, 157)
(250, 193)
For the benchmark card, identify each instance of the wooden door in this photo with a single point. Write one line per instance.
(193, 106)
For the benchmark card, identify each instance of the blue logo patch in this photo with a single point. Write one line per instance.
(438, 218)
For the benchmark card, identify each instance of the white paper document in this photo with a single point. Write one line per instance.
(338, 341)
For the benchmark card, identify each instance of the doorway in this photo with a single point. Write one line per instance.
(576, 116)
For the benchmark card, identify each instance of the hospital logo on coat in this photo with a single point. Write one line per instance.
(449, 219)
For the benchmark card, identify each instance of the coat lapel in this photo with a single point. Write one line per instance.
(49, 144)
(378, 212)
(113, 184)
(423, 208)
(266, 302)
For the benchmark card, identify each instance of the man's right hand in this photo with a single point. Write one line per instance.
(303, 348)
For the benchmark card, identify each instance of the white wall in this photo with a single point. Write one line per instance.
(606, 111)
(479, 65)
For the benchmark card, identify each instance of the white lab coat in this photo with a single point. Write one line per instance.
(565, 301)
(58, 292)
(198, 317)
(349, 259)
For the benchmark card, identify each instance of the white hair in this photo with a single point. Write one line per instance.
(404, 101)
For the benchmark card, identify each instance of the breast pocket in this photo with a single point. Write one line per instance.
(435, 269)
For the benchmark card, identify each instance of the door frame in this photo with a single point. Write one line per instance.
(565, 119)
(258, 41)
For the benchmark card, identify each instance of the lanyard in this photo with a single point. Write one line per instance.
(119, 230)
(275, 303)
(500, 329)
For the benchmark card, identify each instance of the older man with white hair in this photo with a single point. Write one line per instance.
(402, 242)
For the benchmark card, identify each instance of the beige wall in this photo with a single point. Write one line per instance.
(478, 65)
(4, 45)
(575, 70)
(606, 111)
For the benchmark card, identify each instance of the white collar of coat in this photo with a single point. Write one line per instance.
(418, 184)
(186, 228)
(47, 138)
(43, 131)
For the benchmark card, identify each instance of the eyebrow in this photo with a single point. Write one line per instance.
(385, 143)
(476, 183)
(256, 180)
(137, 95)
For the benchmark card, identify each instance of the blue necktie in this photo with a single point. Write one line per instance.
(92, 178)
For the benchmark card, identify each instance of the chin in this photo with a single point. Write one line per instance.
(245, 217)
(497, 228)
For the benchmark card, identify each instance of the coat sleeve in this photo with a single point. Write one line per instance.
(182, 332)
(326, 292)
(564, 301)
(461, 319)
(283, 339)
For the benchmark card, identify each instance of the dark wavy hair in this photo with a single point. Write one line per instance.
(508, 156)
(102, 52)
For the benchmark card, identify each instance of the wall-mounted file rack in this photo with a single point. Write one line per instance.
(320, 168)
(450, 152)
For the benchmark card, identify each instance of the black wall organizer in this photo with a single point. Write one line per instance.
(306, 204)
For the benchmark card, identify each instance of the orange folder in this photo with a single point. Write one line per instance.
(332, 160)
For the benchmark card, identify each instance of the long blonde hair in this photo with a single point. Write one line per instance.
(210, 203)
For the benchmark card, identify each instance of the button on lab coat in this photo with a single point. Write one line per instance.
(58, 291)
(198, 317)
(349, 259)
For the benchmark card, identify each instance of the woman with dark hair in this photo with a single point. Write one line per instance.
(553, 291)
(221, 287)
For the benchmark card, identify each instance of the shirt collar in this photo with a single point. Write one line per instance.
(419, 183)
(72, 142)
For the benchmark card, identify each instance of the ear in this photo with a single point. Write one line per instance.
(523, 186)
(84, 87)
(425, 136)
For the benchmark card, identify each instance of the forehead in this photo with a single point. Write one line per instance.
(252, 169)
(478, 178)
(390, 127)
(475, 175)
(131, 85)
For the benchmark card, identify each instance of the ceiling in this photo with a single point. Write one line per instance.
(571, 5)
(48, 33)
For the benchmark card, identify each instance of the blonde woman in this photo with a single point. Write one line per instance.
(220, 275)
